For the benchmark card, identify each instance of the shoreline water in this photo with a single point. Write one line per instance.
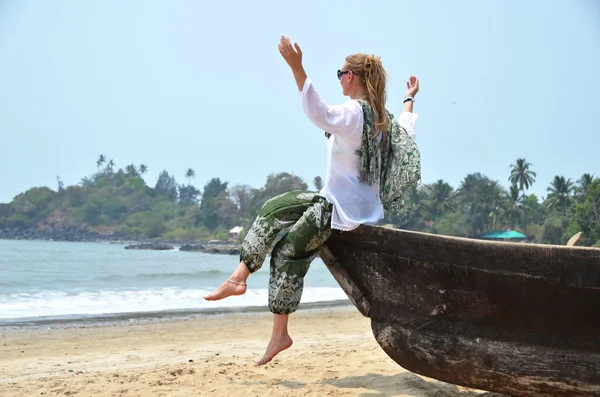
(60, 282)
(162, 316)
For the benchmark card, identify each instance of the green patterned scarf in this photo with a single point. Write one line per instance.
(399, 158)
(369, 149)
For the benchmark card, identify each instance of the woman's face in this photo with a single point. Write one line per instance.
(345, 79)
(348, 80)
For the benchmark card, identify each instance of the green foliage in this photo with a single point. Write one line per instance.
(554, 230)
(193, 234)
(560, 197)
(166, 186)
(450, 224)
(521, 176)
(188, 195)
(587, 215)
(215, 204)
(32, 206)
(534, 232)
(5, 210)
(121, 201)
(481, 204)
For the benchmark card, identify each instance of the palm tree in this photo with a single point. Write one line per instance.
(131, 170)
(497, 216)
(143, 169)
(521, 175)
(494, 197)
(415, 214)
(468, 189)
(110, 165)
(515, 209)
(416, 197)
(441, 197)
(560, 194)
(189, 174)
(101, 161)
(584, 185)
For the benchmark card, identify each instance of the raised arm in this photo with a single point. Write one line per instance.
(412, 87)
(337, 119)
(342, 119)
(293, 57)
(407, 117)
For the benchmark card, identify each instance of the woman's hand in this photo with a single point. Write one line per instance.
(293, 57)
(412, 86)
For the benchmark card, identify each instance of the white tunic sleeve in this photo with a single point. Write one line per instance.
(344, 120)
(407, 121)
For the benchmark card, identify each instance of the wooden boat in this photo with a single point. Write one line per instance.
(513, 318)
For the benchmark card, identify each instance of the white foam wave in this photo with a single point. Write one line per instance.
(60, 303)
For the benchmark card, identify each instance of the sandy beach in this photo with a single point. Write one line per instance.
(334, 354)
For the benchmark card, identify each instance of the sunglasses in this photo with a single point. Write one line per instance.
(340, 73)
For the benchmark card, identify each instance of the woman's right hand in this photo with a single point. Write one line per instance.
(292, 55)
(412, 86)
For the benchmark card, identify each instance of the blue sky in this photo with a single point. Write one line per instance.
(179, 84)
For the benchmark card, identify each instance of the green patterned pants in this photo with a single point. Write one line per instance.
(308, 217)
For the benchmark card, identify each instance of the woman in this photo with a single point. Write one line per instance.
(350, 196)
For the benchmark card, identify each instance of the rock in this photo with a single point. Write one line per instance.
(222, 249)
(192, 248)
(150, 246)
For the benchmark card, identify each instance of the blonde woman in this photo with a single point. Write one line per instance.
(350, 196)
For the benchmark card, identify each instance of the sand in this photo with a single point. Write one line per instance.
(334, 354)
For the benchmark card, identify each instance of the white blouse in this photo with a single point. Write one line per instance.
(354, 202)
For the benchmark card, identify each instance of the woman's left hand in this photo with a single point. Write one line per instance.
(292, 56)
(412, 86)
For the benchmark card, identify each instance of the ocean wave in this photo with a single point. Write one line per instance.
(164, 276)
(200, 273)
(12, 283)
(61, 303)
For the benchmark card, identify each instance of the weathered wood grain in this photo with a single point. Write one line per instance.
(513, 318)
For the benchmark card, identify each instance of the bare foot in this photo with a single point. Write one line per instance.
(228, 288)
(276, 346)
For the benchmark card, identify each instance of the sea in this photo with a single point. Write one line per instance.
(46, 283)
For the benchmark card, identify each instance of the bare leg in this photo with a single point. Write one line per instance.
(280, 339)
(235, 285)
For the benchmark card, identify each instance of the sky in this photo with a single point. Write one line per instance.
(189, 84)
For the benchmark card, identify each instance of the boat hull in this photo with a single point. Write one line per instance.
(513, 318)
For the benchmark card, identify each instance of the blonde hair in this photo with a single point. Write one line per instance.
(372, 74)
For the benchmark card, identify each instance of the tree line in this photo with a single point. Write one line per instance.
(481, 204)
(120, 200)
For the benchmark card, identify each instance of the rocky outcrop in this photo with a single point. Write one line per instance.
(192, 248)
(57, 234)
(156, 246)
(83, 234)
(223, 249)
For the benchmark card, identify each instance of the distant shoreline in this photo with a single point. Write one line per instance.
(219, 247)
(86, 236)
